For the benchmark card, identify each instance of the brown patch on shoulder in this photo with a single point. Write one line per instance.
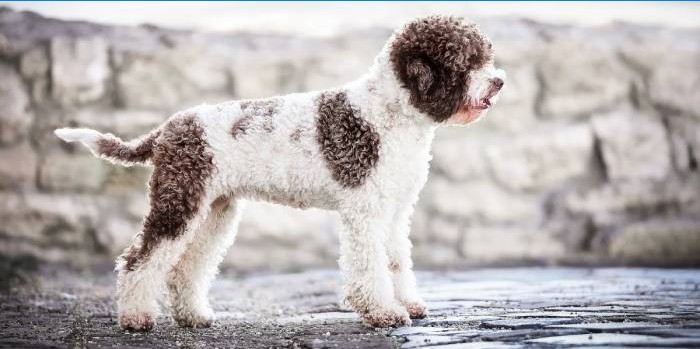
(182, 169)
(140, 152)
(432, 58)
(256, 111)
(348, 143)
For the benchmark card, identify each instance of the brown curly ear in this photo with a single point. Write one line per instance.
(420, 75)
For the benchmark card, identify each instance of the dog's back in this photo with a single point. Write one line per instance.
(267, 149)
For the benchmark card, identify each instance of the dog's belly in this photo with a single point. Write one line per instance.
(281, 174)
(302, 199)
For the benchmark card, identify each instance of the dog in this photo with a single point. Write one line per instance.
(362, 149)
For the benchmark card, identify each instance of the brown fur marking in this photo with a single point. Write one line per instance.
(377, 319)
(348, 143)
(386, 320)
(296, 135)
(255, 111)
(432, 58)
(183, 166)
(220, 203)
(137, 322)
(132, 254)
(394, 267)
(240, 127)
(138, 153)
(416, 310)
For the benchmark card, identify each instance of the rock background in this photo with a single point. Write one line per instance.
(591, 157)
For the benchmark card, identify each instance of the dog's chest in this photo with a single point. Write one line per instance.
(405, 160)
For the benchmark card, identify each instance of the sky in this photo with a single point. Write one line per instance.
(327, 18)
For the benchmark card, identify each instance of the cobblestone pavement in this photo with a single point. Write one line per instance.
(485, 308)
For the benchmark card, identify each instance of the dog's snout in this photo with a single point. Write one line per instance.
(497, 82)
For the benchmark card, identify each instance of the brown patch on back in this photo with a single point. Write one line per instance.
(432, 58)
(348, 143)
(240, 127)
(138, 153)
(256, 111)
(183, 167)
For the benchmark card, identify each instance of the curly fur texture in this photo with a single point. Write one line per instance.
(348, 143)
(362, 150)
(183, 167)
(256, 112)
(432, 58)
(188, 281)
(140, 153)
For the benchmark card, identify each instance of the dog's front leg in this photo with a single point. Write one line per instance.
(398, 248)
(364, 264)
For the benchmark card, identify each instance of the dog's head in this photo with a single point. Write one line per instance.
(447, 67)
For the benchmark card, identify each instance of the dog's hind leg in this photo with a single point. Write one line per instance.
(190, 279)
(142, 271)
(179, 200)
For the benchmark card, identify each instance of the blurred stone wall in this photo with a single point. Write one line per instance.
(591, 157)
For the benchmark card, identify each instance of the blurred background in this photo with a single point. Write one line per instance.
(590, 158)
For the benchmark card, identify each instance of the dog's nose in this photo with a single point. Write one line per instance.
(497, 82)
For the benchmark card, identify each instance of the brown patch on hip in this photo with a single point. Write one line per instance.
(183, 167)
(348, 143)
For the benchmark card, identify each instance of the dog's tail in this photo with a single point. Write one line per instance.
(107, 146)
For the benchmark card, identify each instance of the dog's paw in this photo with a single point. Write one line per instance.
(195, 320)
(391, 317)
(140, 322)
(416, 308)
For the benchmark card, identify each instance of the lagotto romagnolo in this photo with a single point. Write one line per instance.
(362, 149)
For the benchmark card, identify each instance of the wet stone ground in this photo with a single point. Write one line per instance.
(486, 308)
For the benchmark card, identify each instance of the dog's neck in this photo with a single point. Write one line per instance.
(386, 103)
